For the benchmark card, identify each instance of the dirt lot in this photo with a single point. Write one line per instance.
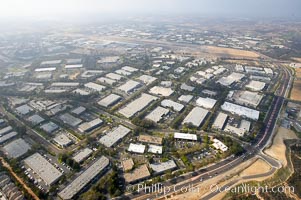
(278, 148)
(254, 168)
(231, 52)
(296, 91)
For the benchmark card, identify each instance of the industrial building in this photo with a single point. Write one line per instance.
(139, 174)
(185, 136)
(127, 164)
(162, 167)
(16, 148)
(79, 110)
(65, 84)
(5, 130)
(196, 116)
(73, 66)
(84, 179)
(247, 98)
(130, 69)
(35, 119)
(137, 105)
(219, 145)
(70, 120)
(106, 80)
(114, 136)
(45, 170)
(95, 87)
(206, 102)
(129, 86)
(123, 72)
(49, 127)
(89, 126)
(256, 85)
(110, 100)
(186, 87)
(241, 110)
(150, 139)
(82, 155)
(163, 91)
(62, 140)
(185, 98)
(232, 129)
(155, 149)
(24, 109)
(172, 104)
(157, 114)
(136, 148)
(232, 78)
(220, 121)
(146, 79)
(7, 136)
(114, 76)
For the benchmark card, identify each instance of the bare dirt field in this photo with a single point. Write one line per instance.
(231, 52)
(254, 168)
(278, 148)
(296, 59)
(296, 91)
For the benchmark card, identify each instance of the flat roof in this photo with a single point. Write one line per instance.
(51, 62)
(48, 69)
(88, 126)
(139, 173)
(62, 139)
(5, 130)
(185, 136)
(136, 148)
(35, 119)
(256, 85)
(206, 102)
(185, 98)
(16, 148)
(123, 72)
(150, 139)
(65, 84)
(73, 66)
(163, 91)
(82, 155)
(219, 145)
(94, 86)
(43, 168)
(78, 110)
(114, 136)
(137, 105)
(219, 121)
(49, 127)
(129, 86)
(114, 76)
(157, 114)
(7, 136)
(164, 166)
(109, 100)
(24, 109)
(241, 110)
(70, 120)
(196, 116)
(146, 79)
(106, 80)
(155, 149)
(172, 104)
(127, 164)
(84, 178)
(130, 69)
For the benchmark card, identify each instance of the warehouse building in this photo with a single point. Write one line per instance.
(62, 140)
(155, 149)
(186, 87)
(106, 80)
(136, 148)
(220, 121)
(247, 98)
(127, 164)
(35, 119)
(139, 174)
(78, 184)
(45, 170)
(232, 129)
(206, 102)
(51, 62)
(163, 91)
(150, 139)
(49, 127)
(256, 85)
(241, 110)
(146, 79)
(162, 167)
(110, 100)
(157, 114)
(95, 87)
(82, 155)
(137, 105)
(185, 136)
(245, 125)
(130, 69)
(114, 136)
(114, 76)
(74, 66)
(185, 98)
(123, 72)
(24, 109)
(232, 78)
(16, 148)
(65, 84)
(79, 110)
(5, 130)
(7, 136)
(172, 104)
(196, 116)
(70, 120)
(219, 145)
(129, 86)
(89, 126)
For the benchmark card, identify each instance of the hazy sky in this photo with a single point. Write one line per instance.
(232, 8)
